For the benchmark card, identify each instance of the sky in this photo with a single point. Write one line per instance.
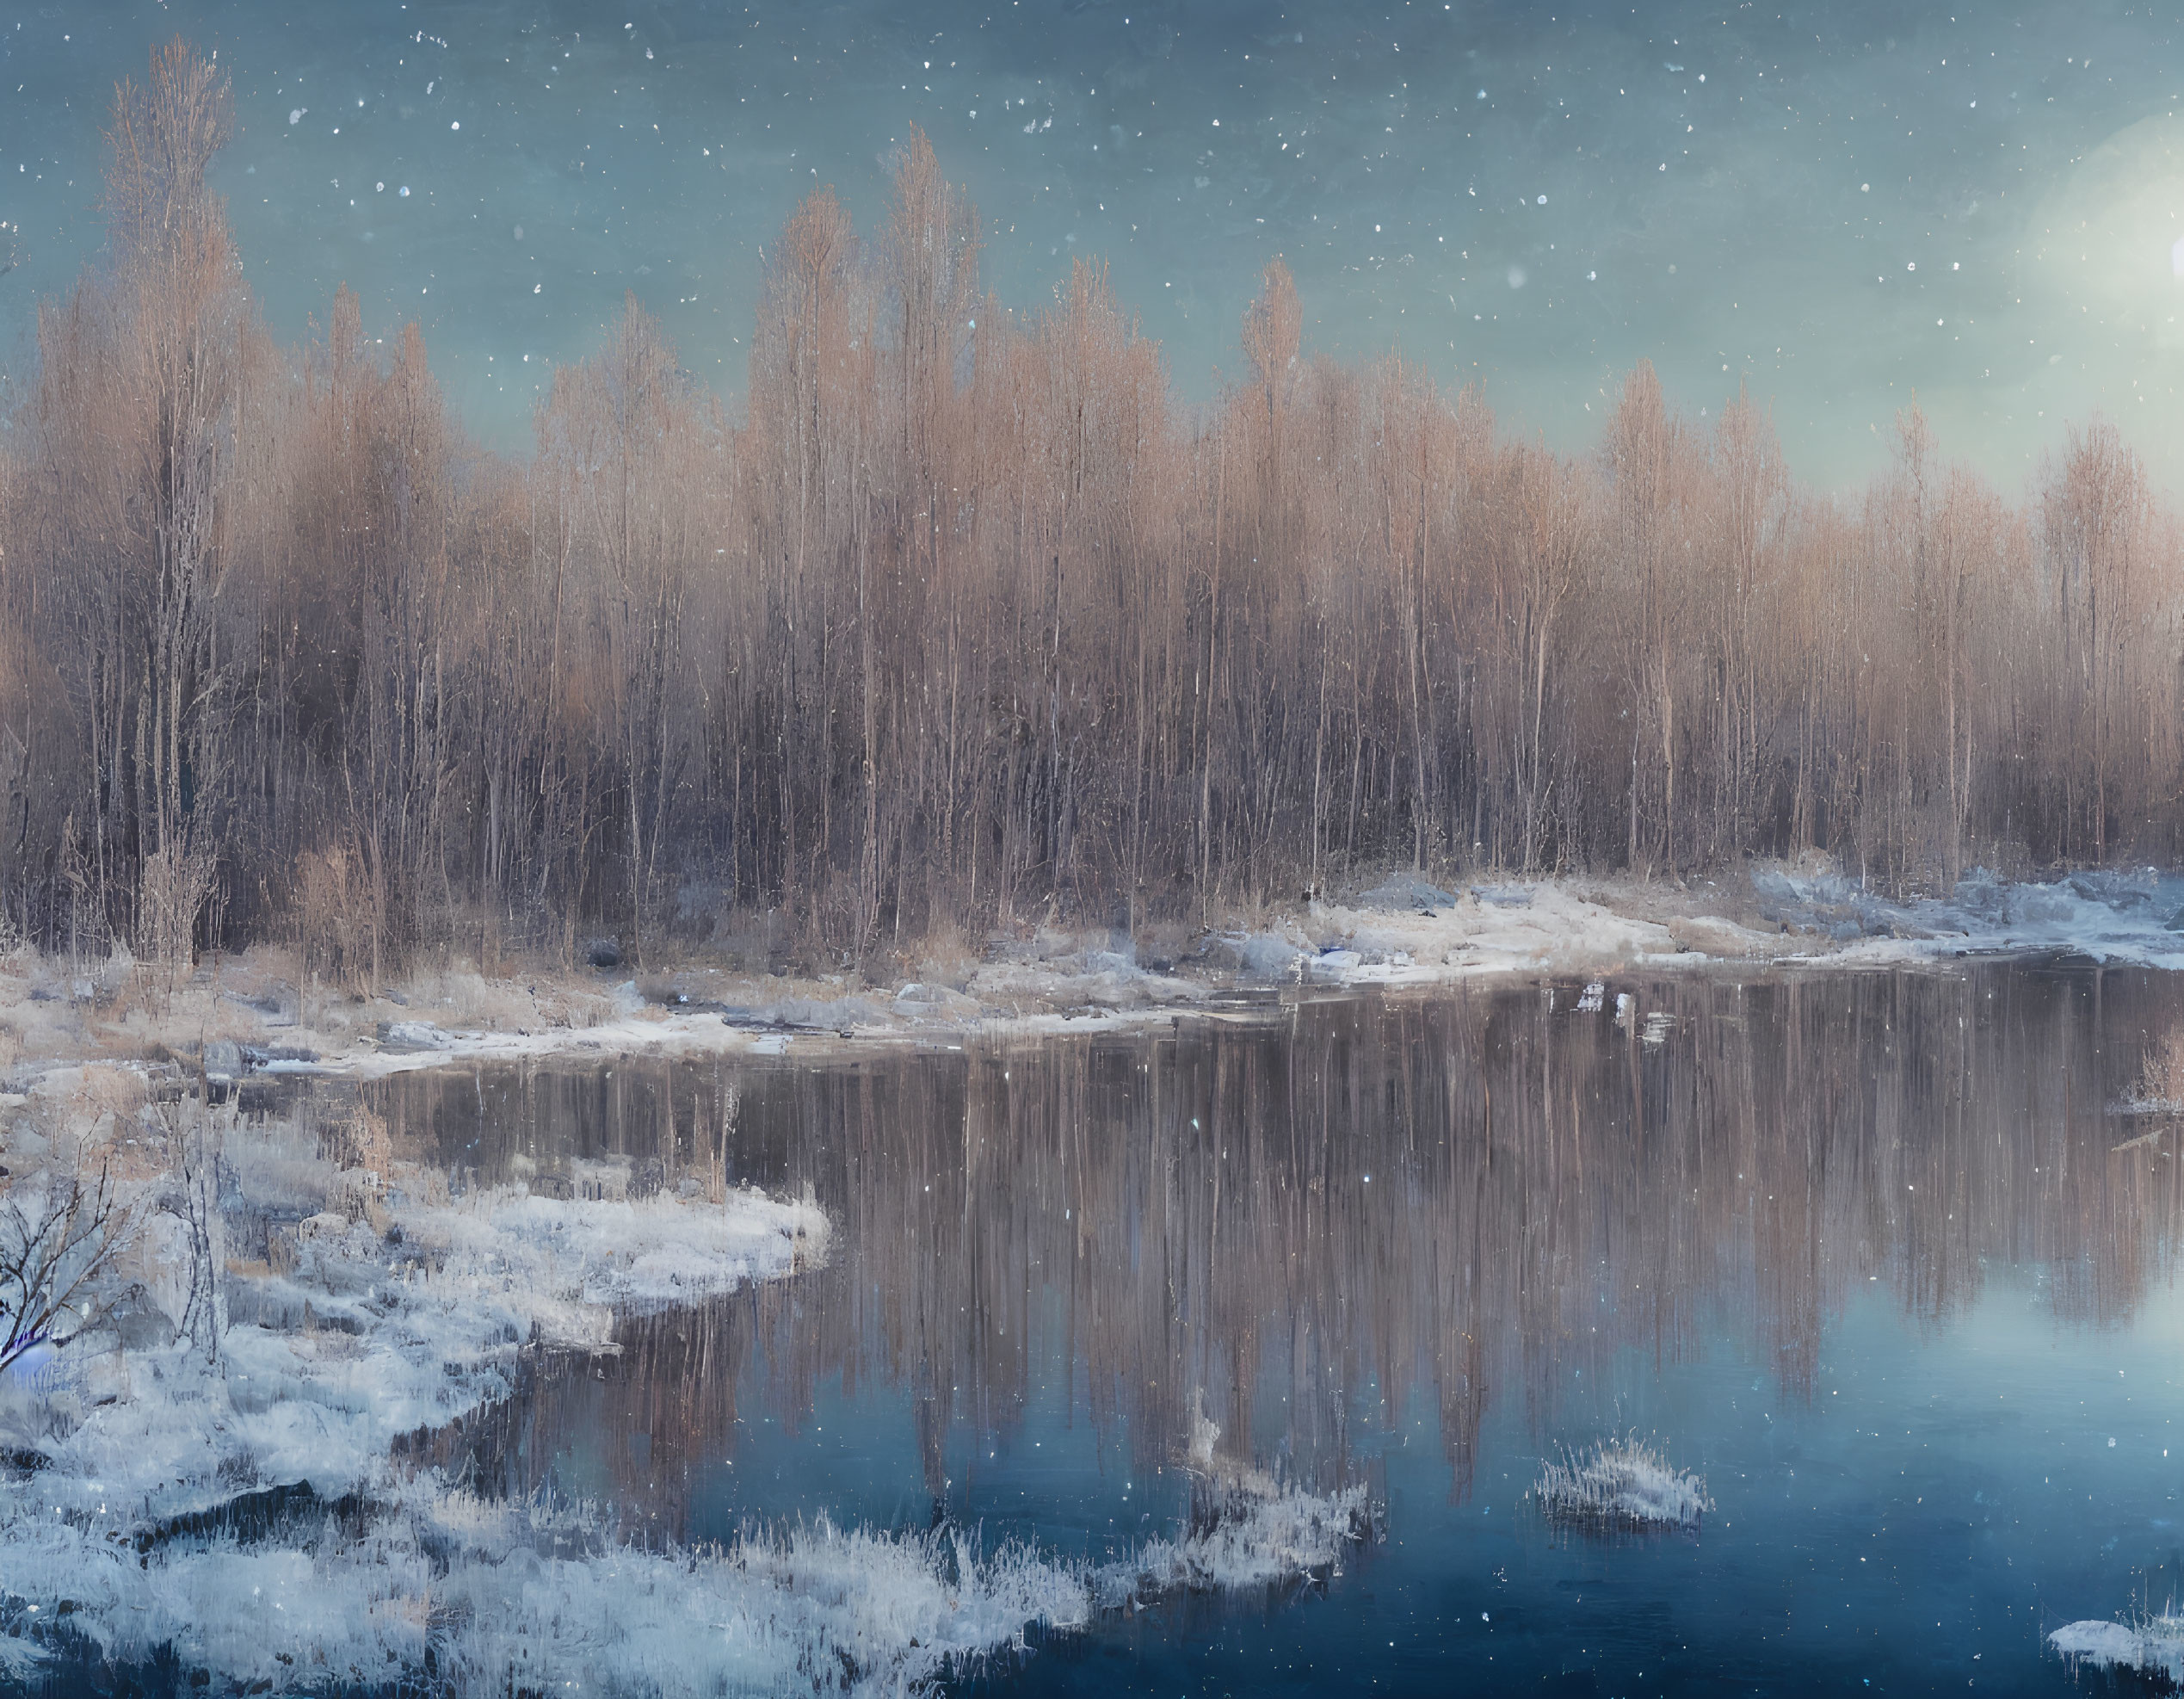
(1845, 206)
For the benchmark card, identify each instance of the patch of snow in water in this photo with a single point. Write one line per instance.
(2155, 1646)
(1621, 1483)
(1252, 1535)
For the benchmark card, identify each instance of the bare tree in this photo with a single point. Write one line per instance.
(57, 1236)
(966, 624)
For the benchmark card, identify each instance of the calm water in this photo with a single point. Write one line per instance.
(1870, 1252)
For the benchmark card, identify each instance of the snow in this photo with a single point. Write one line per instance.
(412, 1315)
(1808, 914)
(1621, 1483)
(514, 1595)
(1400, 932)
(1547, 925)
(2126, 918)
(243, 1504)
(503, 1594)
(1253, 1533)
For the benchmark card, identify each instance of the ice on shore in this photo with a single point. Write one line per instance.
(1621, 1484)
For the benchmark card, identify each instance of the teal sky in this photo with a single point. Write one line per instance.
(1846, 204)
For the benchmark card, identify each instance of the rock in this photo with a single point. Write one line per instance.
(1256, 956)
(223, 1059)
(1330, 964)
(1406, 892)
(326, 1224)
(412, 1036)
(602, 952)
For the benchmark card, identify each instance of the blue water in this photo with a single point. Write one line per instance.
(1862, 1251)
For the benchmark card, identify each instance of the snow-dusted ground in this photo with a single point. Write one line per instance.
(2129, 917)
(410, 1314)
(247, 1014)
(1621, 1483)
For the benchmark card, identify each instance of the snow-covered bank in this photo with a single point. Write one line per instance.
(489, 1595)
(246, 1016)
(282, 1307)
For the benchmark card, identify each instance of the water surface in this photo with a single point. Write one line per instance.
(1873, 1253)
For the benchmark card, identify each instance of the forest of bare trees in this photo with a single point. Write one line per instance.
(967, 621)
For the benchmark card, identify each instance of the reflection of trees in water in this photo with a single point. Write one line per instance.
(1301, 1223)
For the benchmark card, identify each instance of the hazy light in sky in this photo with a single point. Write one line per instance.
(1843, 205)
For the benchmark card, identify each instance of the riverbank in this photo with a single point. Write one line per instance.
(258, 1013)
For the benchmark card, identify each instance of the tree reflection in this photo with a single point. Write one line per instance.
(1297, 1226)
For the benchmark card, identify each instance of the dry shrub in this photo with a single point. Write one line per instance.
(340, 919)
(172, 893)
(358, 1140)
(947, 957)
(362, 1152)
(2161, 1073)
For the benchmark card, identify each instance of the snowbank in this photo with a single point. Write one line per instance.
(1549, 925)
(1621, 1484)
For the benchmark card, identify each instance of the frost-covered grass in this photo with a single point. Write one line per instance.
(2152, 1646)
(1246, 1533)
(486, 1596)
(376, 1330)
(1621, 1484)
(1400, 931)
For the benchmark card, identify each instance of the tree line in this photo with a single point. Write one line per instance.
(967, 621)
